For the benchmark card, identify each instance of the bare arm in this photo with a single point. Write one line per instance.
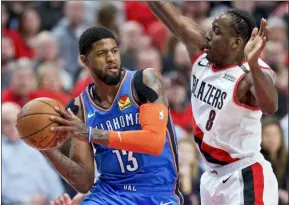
(188, 32)
(78, 169)
(263, 89)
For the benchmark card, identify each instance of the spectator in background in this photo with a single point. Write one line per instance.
(67, 33)
(22, 82)
(196, 10)
(27, 177)
(149, 58)
(274, 150)
(51, 12)
(180, 108)
(189, 170)
(47, 51)
(130, 35)
(106, 17)
(7, 55)
(29, 27)
(275, 54)
(49, 84)
(277, 30)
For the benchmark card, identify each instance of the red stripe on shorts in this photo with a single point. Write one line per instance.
(258, 178)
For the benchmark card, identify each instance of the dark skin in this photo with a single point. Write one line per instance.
(103, 62)
(225, 48)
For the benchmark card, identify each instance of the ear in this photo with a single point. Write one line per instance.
(84, 60)
(236, 42)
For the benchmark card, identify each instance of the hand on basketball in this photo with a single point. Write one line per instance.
(256, 43)
(70, 123)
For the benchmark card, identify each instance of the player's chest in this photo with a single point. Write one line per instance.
(213, 89)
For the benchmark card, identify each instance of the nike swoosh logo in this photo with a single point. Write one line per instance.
(166, 203)
(199, 63)
(90, 115)
(224, 181)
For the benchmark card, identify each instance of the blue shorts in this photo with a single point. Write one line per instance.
(104, 194)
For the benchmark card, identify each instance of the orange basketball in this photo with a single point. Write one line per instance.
(33, 124)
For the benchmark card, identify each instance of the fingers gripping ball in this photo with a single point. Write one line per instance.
(33, 124)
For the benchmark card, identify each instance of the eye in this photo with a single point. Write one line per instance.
(100, 53)
(115, 50)
(216, 31)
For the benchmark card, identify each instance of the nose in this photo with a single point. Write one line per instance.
(110, 57)
(208, 36)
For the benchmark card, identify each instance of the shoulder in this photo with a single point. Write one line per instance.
(199, 57)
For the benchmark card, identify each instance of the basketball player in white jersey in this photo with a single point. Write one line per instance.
(231, 88)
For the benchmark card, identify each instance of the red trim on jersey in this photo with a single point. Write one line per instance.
(197, 56)
(216, 153)
(258, 179)
(227, 67)
(197, 131)
(235, 99)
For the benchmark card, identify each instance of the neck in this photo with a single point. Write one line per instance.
(229, 62)
(104, 92)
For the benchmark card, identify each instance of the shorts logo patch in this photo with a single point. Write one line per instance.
(124, 102)
(161, 115)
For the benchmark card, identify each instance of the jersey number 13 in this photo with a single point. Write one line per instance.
(132, 166)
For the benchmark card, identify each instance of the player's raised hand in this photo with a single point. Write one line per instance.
(70, 123)
(256, 43)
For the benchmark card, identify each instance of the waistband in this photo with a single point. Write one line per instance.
(240, 164)
(138, 188)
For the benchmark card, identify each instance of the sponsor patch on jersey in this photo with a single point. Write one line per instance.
(124, 102)
(229, 77)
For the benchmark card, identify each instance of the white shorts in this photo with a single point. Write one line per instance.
(249, 181)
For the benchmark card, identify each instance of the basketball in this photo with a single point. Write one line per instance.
(33, 124)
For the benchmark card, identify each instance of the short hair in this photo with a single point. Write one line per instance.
(91, 35)
(243, 23)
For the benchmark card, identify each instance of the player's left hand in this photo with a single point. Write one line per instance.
(70, 123)
(256, 43)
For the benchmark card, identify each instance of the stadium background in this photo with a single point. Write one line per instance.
(39, 58)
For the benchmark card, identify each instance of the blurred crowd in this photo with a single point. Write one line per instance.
(40, 58)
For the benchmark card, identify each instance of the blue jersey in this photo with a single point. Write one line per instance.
(119, 167)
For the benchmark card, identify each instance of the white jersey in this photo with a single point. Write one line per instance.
(224, 129)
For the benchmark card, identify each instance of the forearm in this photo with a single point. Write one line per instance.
(266, 93)
(167, 13)
(70, 171)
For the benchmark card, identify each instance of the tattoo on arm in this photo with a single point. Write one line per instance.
(154, 81)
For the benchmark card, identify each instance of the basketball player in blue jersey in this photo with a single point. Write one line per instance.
(124, 116)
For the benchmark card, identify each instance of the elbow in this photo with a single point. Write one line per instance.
(270, 110)
(84, 188)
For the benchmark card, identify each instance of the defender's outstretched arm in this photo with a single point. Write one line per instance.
(187, 31)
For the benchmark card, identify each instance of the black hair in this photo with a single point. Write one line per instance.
(91, 35)
(242, 22)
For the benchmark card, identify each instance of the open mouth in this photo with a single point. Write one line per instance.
(207, 46)
(112, 68)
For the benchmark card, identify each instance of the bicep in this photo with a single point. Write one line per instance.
(153, 81)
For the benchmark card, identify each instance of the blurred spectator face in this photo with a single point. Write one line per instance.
(46, 47)
(271, 138)
(195, 9)
(277, 30)
(74, 11)
(275, 54)
(247, 6)
(175, 89)
(23, 78)
(49, 78)
(149, 58)
(7, 49)
(4, 16)
(9, 120)
(30, 22)
(181, 56)
(131, 32)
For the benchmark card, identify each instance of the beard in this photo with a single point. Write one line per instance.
(110, 79)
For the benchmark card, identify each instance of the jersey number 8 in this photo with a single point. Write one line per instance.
(211, 119)
(130, 167)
